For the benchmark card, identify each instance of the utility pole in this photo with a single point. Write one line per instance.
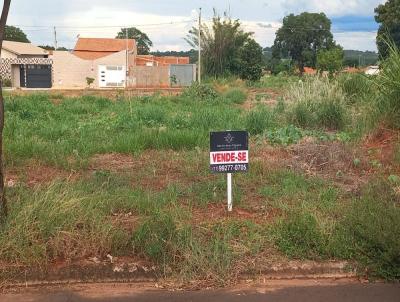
(55, 38)
(199, 63)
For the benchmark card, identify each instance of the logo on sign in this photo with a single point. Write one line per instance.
(229, 138)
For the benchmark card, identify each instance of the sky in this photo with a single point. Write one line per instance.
(167, 21)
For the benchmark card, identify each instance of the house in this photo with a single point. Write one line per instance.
(26, 65)
(106, 61)
(114, 63)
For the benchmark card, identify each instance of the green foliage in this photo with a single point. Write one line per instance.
(13, 33)
(143, 42)
(317, 103)
(259, 119)
(224, 48)
(301, 37)
(250, 61)
(388, 86)
(278, 66)
(299, 236)
(235, 95)
(200, 92)
(155, 238)
(330, 60)
(355, 86)
(373, 228)
(388, 17)
(6, 82)
(89, 81)
(284, 136)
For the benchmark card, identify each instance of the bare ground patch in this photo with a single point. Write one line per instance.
(35, 174)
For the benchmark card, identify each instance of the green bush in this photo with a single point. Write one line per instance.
(235, 95)
(6, 82)
(259, 119)
(200, 92)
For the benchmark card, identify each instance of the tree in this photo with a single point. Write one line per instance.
(301, 37)
(48, 47)
(388, 16)
(221, 45)
(330, 60)
(251, 61)
(3, 201)
(143, 42)
(13, 33)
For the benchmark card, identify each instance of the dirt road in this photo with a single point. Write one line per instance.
(285, 291)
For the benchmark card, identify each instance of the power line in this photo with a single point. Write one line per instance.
(105, 26)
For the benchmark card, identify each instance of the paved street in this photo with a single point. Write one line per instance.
(274, 291)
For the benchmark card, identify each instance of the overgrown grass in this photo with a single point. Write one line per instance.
(317, 103)
(76, 129)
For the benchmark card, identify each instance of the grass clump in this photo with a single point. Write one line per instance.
(356, 86)
(260, 119)
(388, 83)
(235, 95)
(317, 103)
(299, 236)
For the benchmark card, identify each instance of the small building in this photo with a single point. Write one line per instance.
(25, 65)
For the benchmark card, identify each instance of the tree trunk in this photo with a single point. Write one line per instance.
(3, 201)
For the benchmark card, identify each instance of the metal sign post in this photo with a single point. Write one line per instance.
(229, 192)
(229, 153)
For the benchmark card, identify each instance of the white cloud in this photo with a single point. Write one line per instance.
(332, 7)
(357, 40)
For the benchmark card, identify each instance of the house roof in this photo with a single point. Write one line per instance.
(95, 48)
(20, 48)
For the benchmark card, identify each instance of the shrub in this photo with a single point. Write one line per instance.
(200, 92)
(236, 95)
(259, 119)
(6, 82)
(89, 81)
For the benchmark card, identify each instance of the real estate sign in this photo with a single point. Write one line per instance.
(229, 152)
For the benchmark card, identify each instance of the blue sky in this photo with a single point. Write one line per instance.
(167, 22)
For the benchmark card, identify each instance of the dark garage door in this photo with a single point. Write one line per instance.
(38, 76)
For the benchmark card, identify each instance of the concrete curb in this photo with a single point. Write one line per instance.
(134, 273)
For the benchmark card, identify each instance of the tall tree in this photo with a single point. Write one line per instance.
(3, 201)
(301, 37)
(13, 33)
(221, 45)
(143, 42)
(388, 15)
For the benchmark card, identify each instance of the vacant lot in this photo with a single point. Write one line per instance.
(89, 177)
